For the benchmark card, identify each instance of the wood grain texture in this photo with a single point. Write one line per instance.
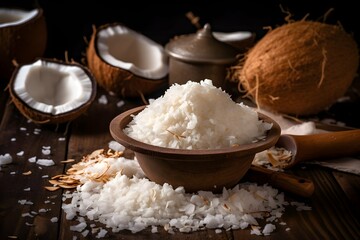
(16, 187)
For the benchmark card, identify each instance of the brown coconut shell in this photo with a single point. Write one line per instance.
(46, 118)
(119, 81)
(22, 43)
(300, 68)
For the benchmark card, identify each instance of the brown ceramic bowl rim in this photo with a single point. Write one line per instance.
(122, 120)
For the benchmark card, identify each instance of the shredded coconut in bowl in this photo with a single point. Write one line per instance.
(196, 115)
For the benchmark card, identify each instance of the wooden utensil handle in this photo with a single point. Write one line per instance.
(323, 145)
(287, 182)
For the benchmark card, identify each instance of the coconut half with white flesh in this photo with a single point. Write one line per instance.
(23, 38)
(126, 62)
(52, 91)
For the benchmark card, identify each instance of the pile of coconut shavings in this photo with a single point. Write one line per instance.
(191, 116)
(127, 200)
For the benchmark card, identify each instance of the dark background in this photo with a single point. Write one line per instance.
(70, 22)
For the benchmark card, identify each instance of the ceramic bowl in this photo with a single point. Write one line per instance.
(195, 170)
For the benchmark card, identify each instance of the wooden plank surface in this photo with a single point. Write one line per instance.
(25, 220)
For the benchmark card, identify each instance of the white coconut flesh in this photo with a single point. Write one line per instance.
(12, 17)
(232, 36)
(52, 88)
(126, 49)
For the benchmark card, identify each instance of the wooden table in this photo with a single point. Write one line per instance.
(335, 202)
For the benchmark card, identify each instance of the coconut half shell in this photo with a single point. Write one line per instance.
(300, 68)
(23, 38)
(49, 91)
(126, 62)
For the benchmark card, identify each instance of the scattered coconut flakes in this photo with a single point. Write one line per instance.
(44, 176)
(42, 210)
(268, 228)
(155, 204)
(85, 233)
(120, 103)
(273, 158)
(27, 189)
(13, 139)
(23, 129)
(26, 215)
(12, 173)
(79, 227)
(116, 146)
(5, 159)
(287, 229)
(103, 99)
(52, 188)
(27, 173)
(54, 220)
(102, 233)
(133, 202)
(25, 202)
(32, 159)
(45, 151)
(255, 230)
(61, 139)
(154, 229)
(68, 161)
(12, 237)
(45, 162)
(21, 153)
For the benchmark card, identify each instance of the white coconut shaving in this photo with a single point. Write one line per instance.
(45, 162)
(5, 159)
(116, 146)
(196, 115)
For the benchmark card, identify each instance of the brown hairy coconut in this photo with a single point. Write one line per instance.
(23, 37)
(50, 91)
(299, 68)
(126, 62)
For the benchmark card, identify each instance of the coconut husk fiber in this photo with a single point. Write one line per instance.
(299, 68)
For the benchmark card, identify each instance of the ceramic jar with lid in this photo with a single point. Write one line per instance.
(199, 56)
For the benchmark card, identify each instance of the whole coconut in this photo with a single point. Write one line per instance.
(300, 68)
